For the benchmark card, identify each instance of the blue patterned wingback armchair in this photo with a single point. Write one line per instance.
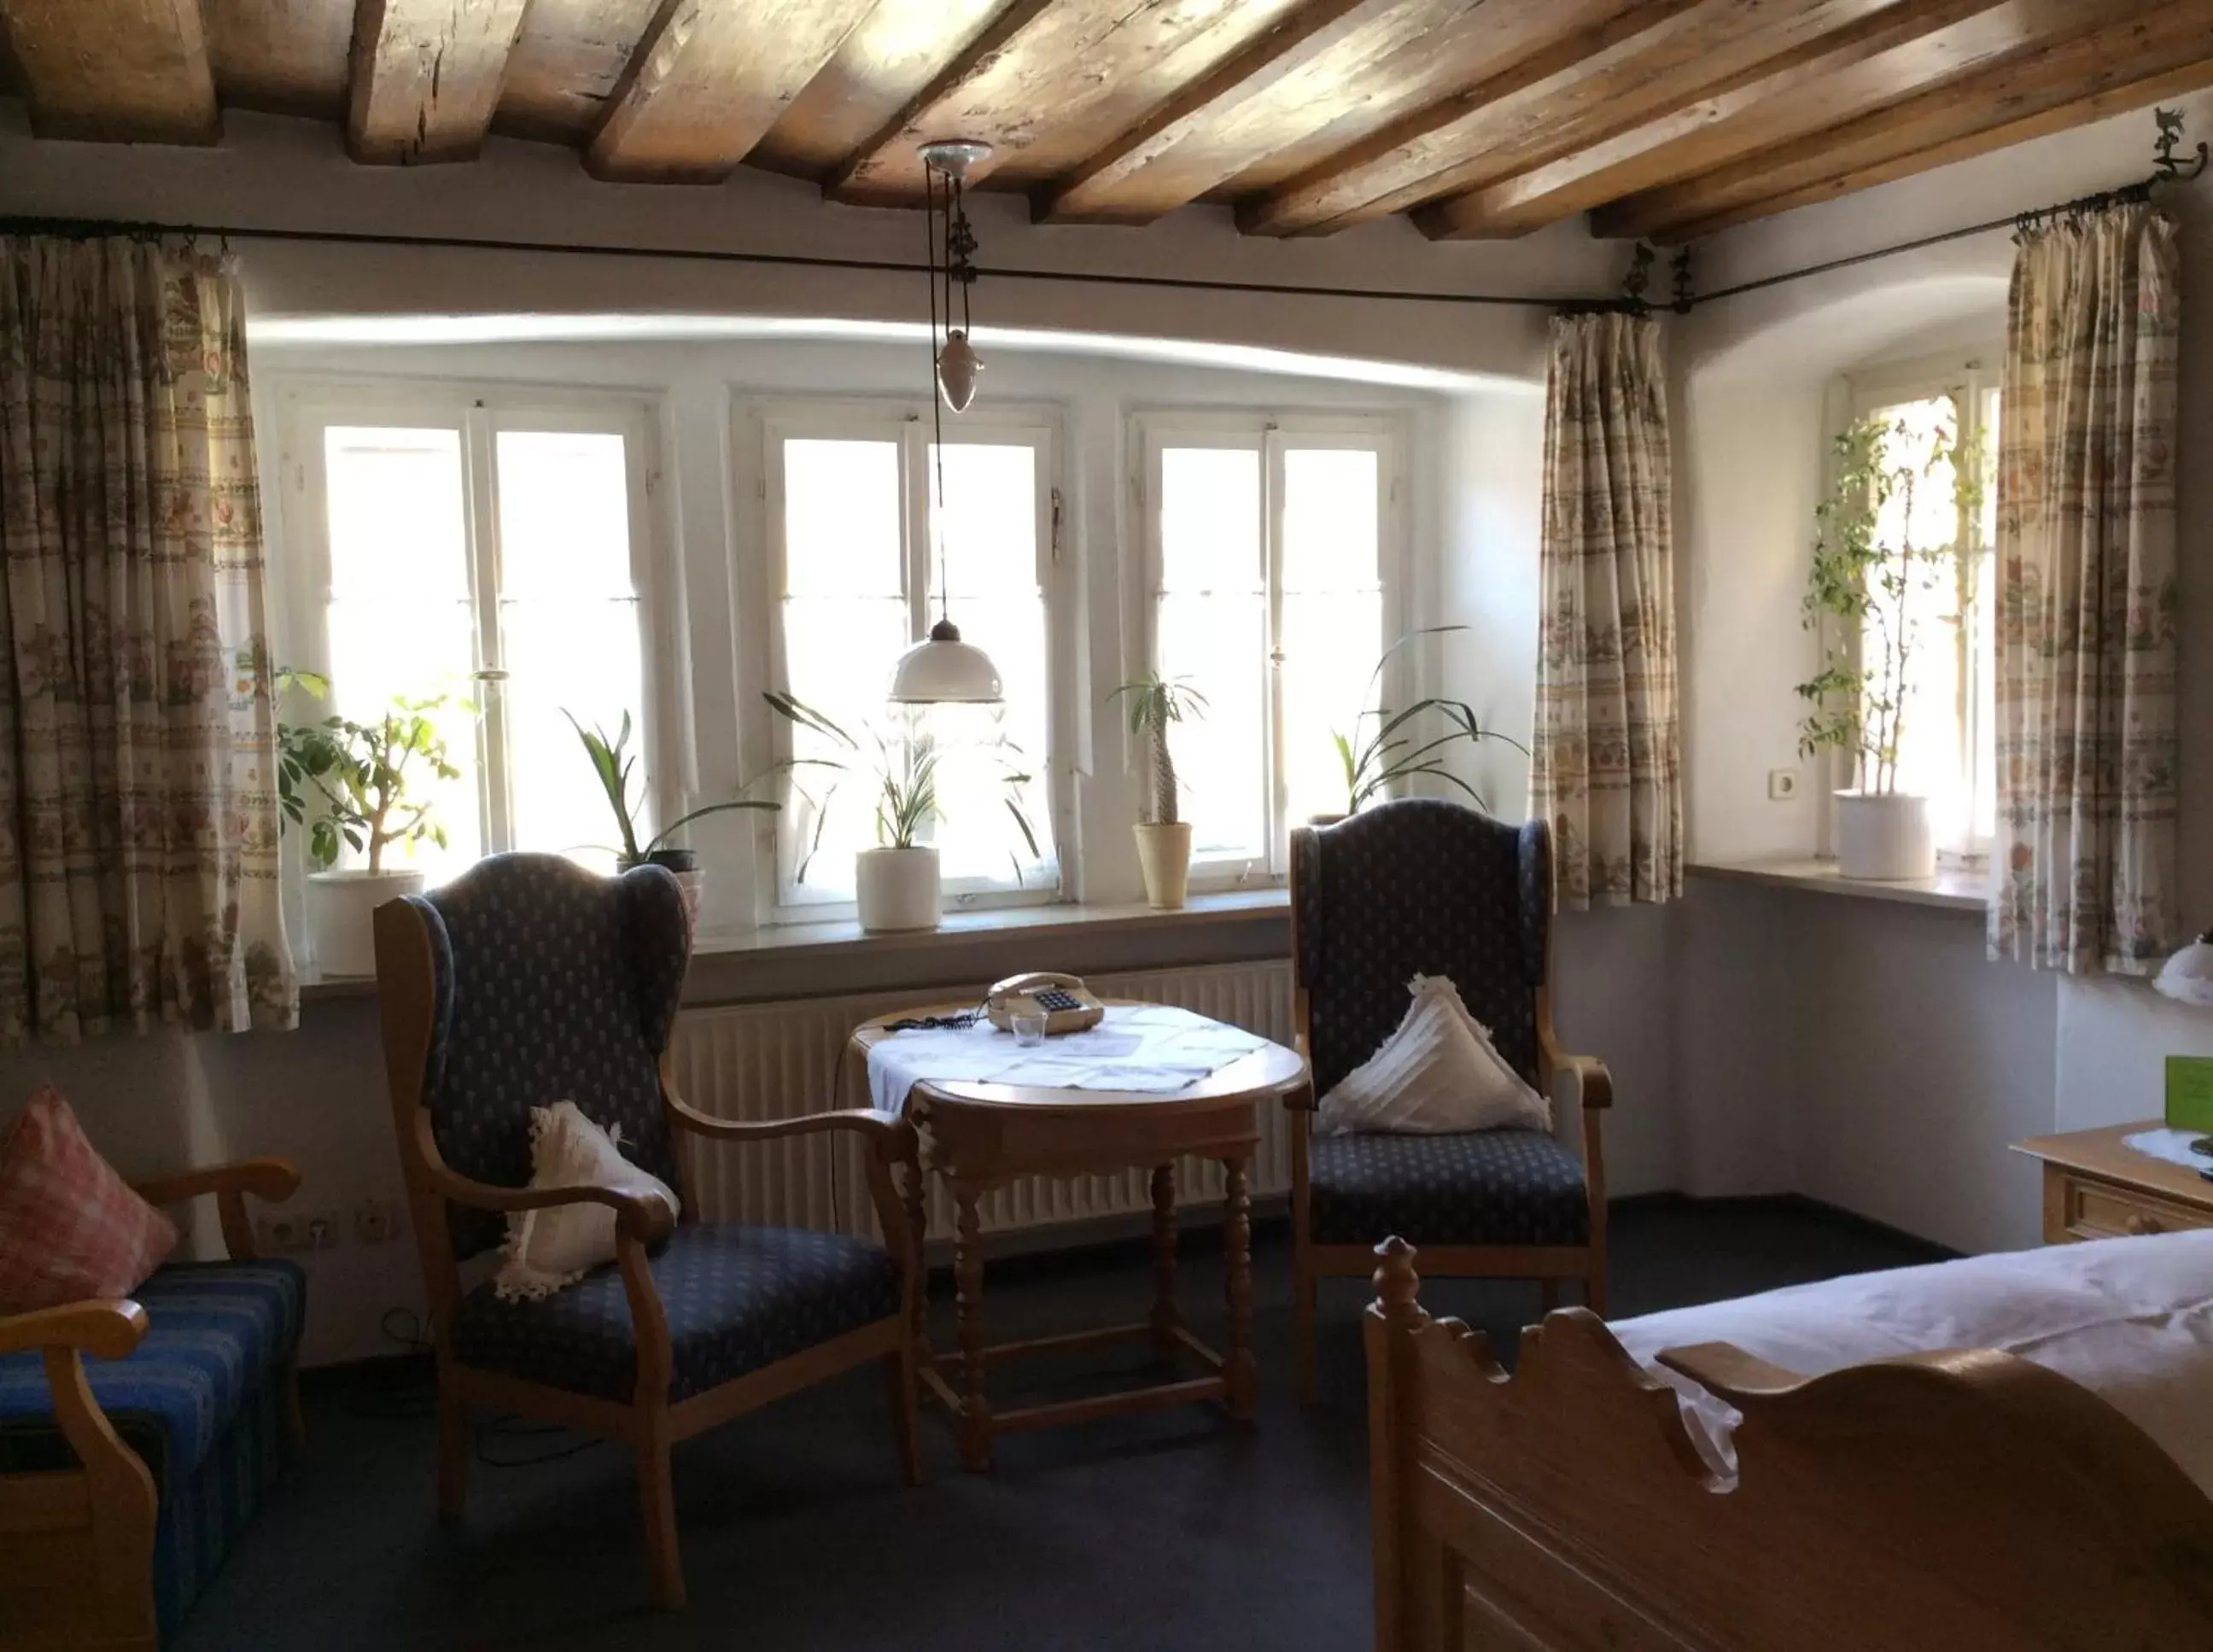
(1423, 886)
(529, 981)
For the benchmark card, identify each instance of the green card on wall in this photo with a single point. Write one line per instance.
(2190, 1093)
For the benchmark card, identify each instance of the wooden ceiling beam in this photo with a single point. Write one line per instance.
(2166, 46)
(1088, 195)
(1882, 59)
(708, 81)
(425, 78)
(2099, 106)
(132, 71)
(1643, 61)
(849, 180)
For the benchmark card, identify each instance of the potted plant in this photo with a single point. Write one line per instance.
(1163, 838)
(896, 885)
(363, 777)
(1867, 567)
(612, 762)
(1376, 759)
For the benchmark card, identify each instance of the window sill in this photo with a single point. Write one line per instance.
(1954, 890)
(957, 932)
(957, 929)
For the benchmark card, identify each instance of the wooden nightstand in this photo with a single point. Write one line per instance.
(2095, 1188)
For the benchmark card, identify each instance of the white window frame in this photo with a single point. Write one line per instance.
(1269, 433)
(479, 411)
(1966, 377)
(760, 429)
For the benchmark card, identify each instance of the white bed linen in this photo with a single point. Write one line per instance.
(2132, 1319)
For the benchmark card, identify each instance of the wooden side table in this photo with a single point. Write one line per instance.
(981, 1136)
(2095, 1188)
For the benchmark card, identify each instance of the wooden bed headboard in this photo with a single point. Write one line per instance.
(1946, 1502)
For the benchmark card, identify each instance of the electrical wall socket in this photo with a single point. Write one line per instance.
(376, 1222)
(292, 1232)
(1782, 785)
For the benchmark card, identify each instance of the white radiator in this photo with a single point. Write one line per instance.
(780, 1060)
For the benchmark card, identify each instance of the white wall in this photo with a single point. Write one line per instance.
(1909, 1060)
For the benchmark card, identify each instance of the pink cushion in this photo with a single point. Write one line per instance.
(70, 1229)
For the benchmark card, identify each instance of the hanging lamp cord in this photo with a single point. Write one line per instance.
(940, 269)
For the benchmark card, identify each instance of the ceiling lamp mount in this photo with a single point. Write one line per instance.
(944, 669)
(946, 164)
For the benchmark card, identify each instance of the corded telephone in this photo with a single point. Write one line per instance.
(1066, 1003)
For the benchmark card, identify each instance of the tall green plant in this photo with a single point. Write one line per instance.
(1867, 568)
(612, 764)
(1397, 748)
(363, 774)
(901, 768)
(1154, 703)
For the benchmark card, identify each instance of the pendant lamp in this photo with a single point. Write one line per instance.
(944, 670)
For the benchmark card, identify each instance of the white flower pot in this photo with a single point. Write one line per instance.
(896, 888)
(1164, 856)
(1884, 836)
(341, 905)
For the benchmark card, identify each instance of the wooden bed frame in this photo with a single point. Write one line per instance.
(1943, 1502)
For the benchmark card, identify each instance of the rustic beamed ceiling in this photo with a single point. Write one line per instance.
(1479, 118)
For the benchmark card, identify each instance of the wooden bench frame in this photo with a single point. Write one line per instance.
(77, 1546)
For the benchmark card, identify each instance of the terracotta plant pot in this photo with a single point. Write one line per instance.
(896, 888)
(1164, 855)
(1884, 836)
(340, 921)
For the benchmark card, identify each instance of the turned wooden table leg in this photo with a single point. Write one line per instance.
(968, 1276)
(1165, 1318)
(917, 1190)
(1241, 1373)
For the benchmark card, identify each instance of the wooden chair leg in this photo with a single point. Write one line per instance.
(1305, 1288)
(657, 1496)
(899, 1375)
(452, 1454)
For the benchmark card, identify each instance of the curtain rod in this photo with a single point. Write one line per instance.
(2166, 169)
(93, 227)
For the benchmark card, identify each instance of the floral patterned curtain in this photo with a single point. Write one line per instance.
(2082, 872)
(138, 817)
(1608, 761)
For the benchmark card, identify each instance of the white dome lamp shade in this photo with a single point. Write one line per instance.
(944, 670)
(2187, 977)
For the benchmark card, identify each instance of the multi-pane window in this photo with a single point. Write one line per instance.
(1943, 426)
(490, 550)
(854, 533)
(1266, 547)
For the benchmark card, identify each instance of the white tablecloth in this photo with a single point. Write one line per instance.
(1153, 1049)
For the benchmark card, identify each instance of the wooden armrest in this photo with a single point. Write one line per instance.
(1592, 1078)
(1725, 1370)
(105, 1329)
(272, 1180)
(887, 1128)
(637, 1215)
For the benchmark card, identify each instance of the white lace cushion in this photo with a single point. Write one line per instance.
(1437, 1074)
(548, 1249)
